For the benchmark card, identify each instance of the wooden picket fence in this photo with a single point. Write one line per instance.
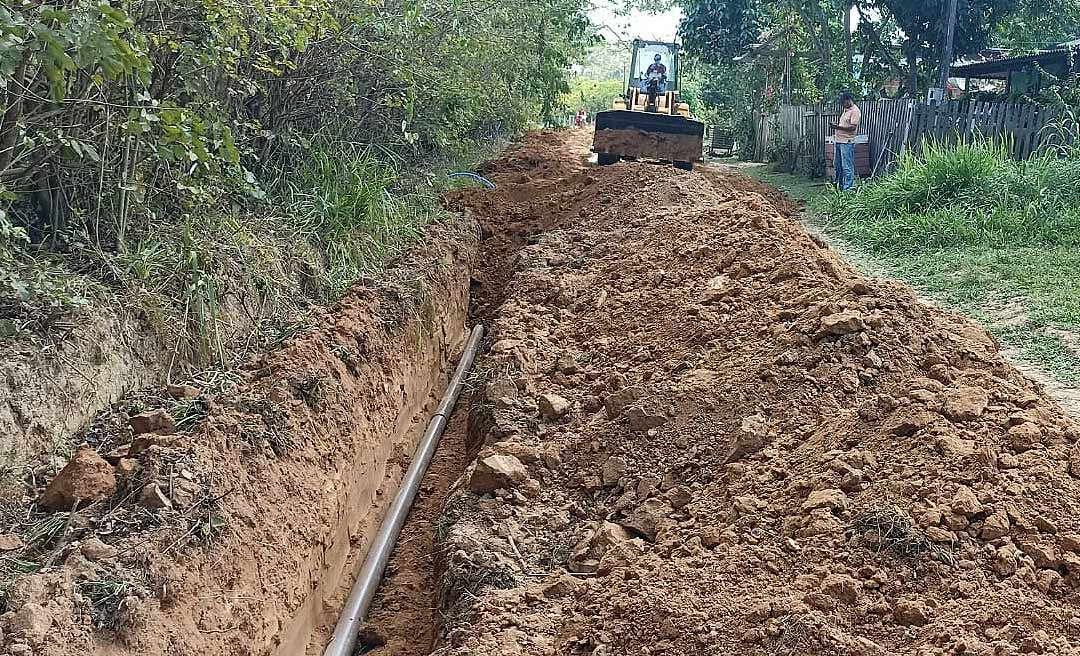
(894, 126)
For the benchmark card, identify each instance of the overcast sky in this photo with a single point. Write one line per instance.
(654, 27)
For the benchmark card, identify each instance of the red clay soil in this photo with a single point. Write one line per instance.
(403, 616)
(702, 432)
(236, 536)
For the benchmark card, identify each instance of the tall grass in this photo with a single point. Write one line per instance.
(351, 208)
(971, 194)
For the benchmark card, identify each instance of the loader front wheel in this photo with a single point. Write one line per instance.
(606, 159)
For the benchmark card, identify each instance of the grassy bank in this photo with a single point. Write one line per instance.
(973, 229)
(340, 215)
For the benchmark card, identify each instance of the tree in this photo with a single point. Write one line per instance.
(1039, 23)
(592, 94)
(607, 60)
(717, 31)
(922, 24)
(143, 109)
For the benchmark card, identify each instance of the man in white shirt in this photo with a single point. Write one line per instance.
(844, 137)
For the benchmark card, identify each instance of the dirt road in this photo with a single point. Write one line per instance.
(701, 432)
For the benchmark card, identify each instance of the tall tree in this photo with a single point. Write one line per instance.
(923, 22)
(717, 31)
(1039, 23)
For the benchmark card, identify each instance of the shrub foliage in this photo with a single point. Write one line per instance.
(149, 138)
(965, 194)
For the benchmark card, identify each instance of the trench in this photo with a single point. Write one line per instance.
(778, 400)
(404, 617)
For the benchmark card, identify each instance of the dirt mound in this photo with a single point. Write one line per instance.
(541, 183)
(237, 528)
(706, 434)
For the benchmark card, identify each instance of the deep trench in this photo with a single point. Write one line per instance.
(404, 616)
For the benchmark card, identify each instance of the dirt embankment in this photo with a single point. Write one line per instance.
(241, 534)
(49, 391)
(67, 366)
(701, 432)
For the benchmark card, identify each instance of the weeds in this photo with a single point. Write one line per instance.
(888, 529)
(272, 427)
(280, 332)
(10, 569)
(467, 578)
(188, 412)
(46, 530)
(106, 597)
(968, 194)
(337, 217)
(342, 202)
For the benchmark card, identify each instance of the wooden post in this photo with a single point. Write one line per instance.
(787, 76)
(907, 128)
(947, 50)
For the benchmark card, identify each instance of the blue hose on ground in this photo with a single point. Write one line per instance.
(482, 180)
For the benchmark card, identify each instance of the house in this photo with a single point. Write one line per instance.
(1020, 74)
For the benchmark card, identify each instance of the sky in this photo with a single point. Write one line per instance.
(654, 27)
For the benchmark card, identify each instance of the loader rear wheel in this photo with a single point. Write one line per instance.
(605, 159)
(685, 166)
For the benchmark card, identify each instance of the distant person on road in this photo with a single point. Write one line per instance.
(844, 139)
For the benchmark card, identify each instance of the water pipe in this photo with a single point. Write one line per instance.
(356, 607)
(479, 178)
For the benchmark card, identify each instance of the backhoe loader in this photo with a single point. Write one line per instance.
(649, 121)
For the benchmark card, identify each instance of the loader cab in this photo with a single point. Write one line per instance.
(643, 55)
(662, 100)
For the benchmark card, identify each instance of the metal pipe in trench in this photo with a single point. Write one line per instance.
(352, 615)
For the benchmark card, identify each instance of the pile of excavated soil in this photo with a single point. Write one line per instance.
(236, 528)
(701, 432)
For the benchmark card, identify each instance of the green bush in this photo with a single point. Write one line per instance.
(964, 195)
(177, 151)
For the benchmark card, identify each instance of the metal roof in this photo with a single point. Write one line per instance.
(1000, 68)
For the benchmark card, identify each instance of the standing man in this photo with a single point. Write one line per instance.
(844, 136)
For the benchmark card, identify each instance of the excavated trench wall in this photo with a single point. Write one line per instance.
(302, 459)
(389, 351)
